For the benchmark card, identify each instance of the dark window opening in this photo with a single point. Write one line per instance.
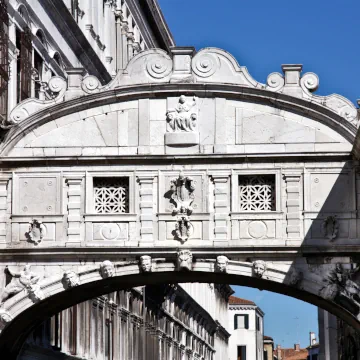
(241, 352)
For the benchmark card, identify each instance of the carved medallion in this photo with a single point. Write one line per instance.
(37, 231)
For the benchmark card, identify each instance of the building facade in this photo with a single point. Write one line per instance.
(268, 348)
(169, 325)
(40, 39)
(246, 326)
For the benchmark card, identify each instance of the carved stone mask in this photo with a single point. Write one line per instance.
(107, 269)
(35, 293)
(70, 279)
(184, 260)
(221, 263)
(259, 267)
(146, 263)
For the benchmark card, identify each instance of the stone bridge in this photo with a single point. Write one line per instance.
(182, 169)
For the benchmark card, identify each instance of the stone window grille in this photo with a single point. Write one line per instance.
(257, 193)
(111, 195)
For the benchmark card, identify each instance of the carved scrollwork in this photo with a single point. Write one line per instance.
(158, 67)
(275, 81)
(309, 82)
(205, 65)
(56, 84)
(90, 84)
(37, 231)
(184, 260)
(330, 228)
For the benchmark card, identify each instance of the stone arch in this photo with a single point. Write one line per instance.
(26, 313)
(23, 11)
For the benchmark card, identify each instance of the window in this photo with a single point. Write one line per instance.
(24, 45)
(111, 195)
(258, 323)
(241, 321)
(241, 352)
(4, 59)
(38, 66)
(257, 193)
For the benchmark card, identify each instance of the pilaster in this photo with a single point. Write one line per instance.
(221, 206)
(293, 209)
(146, 208)
(74, 209)
(4, 216)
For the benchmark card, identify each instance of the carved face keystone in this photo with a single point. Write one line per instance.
(107, 269)
(145, 263)
(259, 267)
(184, 260)
(221, 263)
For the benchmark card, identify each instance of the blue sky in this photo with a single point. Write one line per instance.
(262, 35)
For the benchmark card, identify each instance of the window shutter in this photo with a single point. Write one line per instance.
(246, 321)
(235, 322)
(25, 64)
(4, 59)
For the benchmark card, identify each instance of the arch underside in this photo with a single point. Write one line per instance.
(129, 274)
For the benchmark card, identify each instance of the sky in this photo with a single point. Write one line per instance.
(262, 35)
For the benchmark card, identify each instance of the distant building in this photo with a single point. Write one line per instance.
(268, 348)
(313, 348)
(295, 353)
(246, 326)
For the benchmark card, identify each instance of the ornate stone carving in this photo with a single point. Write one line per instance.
(275, 81)
(70, 279)
(182, 123)
(205, 64)
(158, 66)
(35, 293)
(20, 280)
(221, 264)
(107, 269)
(259, 268)
(182, 193)
(37, 231)
(29, 106)
(330, 228)
(182, 118)
(342, 286)
(5, 318)
(294, 277)
(146, 263)
(184, 260)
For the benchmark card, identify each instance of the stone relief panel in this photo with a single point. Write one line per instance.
(257, 229)
(330, 192)
(37, 195)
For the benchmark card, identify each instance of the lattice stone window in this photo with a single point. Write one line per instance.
(257, 193)
(111, 195)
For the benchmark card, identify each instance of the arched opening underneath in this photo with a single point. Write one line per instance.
(14, 335)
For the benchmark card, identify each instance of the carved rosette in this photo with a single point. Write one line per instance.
(330, 228)
(205, 65)
(37, 231)
(182, 189)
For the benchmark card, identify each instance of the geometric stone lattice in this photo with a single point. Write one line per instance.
(257, 193)
(111, 195)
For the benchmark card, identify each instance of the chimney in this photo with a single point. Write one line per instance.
(312, 338)
(278, 352)
(297, 347)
